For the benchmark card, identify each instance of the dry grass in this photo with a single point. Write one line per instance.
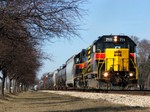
(47, 102)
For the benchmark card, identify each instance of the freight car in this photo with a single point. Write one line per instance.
(109, 62)
(60, 77)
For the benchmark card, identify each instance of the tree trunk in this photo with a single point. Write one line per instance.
(3, 82)
(14, 86)
(10, 86)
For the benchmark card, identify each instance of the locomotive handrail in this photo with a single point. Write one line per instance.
(112, 59)
(135, 67)
(133, 62)
(103, 61)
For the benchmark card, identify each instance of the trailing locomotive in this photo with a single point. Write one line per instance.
(109, 62)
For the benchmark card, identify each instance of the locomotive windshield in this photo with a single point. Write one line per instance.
(114, 45)
(114, 42)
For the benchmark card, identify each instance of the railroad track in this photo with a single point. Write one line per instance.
(126, 92)
(130, 92)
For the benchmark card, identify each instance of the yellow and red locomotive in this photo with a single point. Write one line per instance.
(109, 61)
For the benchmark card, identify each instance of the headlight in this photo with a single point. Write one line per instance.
(131, 74)
(105, 74)
(115, 38)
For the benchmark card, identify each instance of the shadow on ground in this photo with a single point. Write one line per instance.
(48, 102)
(103, 109)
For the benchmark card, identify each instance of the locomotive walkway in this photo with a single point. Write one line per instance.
(32, 101)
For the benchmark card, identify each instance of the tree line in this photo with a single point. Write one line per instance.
(143, 61)
(24, 26)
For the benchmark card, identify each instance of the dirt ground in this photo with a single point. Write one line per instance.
(32, 101)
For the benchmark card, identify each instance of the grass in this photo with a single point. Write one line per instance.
(48, 102)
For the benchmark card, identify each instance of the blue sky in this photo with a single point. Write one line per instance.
(128, 17)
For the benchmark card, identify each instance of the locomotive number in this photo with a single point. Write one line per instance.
(122, 39)
(109, 40)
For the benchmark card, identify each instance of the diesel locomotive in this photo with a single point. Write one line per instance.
(108, 63)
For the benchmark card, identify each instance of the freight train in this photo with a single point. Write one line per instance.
(108, 63)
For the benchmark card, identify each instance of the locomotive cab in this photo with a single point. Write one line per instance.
(119, 66)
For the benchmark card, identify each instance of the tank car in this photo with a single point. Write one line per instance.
(49, 81)
(55, 73)
(60, 78)
(52, 80)
(70, 71)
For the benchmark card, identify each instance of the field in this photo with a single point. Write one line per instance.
(32, 101)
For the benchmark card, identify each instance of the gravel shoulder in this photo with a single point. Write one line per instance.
(129, 100)
(50, 101)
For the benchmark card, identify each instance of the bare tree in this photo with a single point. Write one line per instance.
(143, 60)
(143, 54)
(27, 23)
(45, 19)
(25, 64)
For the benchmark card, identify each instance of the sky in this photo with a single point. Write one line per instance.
(104, 17)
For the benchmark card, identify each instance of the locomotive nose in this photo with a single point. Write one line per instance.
(117, 59)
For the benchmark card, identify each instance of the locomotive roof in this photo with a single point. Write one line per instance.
(100, 38)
